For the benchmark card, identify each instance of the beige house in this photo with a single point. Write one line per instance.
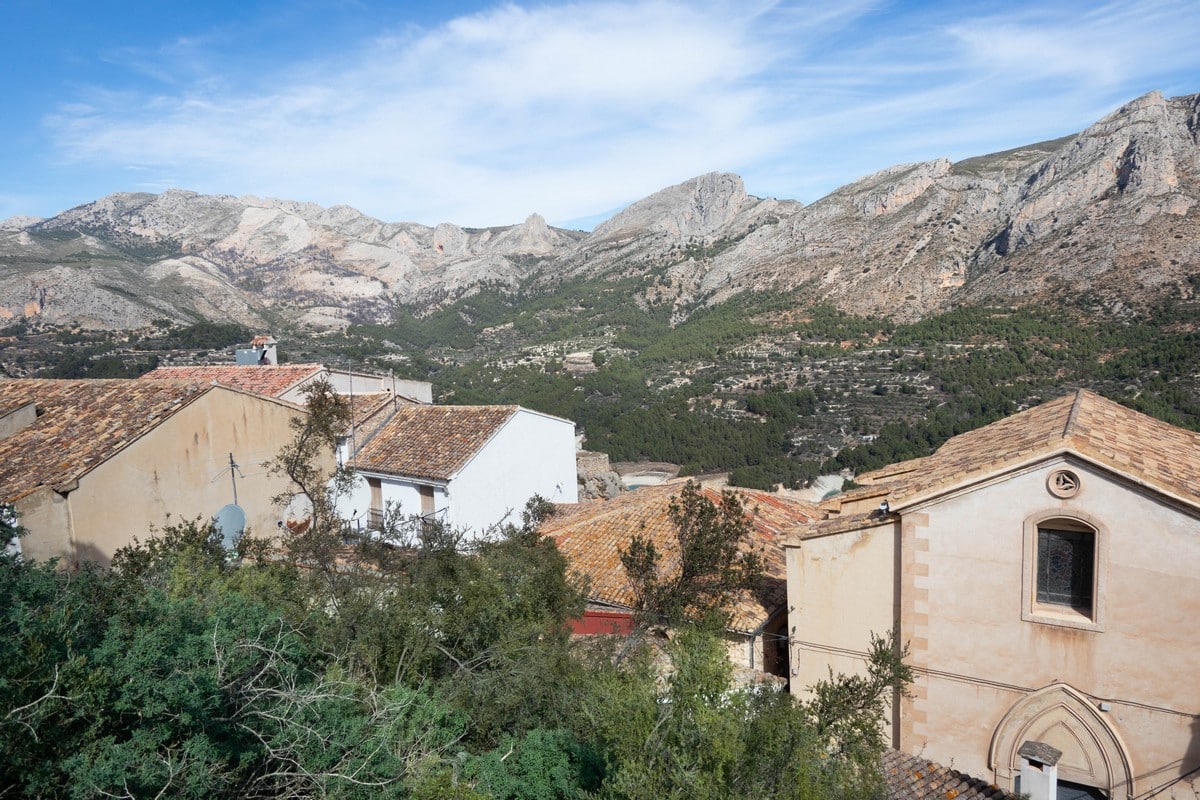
(1045, 571)
(90, 464)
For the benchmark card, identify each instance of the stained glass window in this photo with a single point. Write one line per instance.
(1065, 561)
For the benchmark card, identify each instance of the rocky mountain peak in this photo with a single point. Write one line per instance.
(699, 207)
(891, 189)
(1113, 210)
(18, 223)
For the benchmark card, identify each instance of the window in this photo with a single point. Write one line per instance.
(426, 493)
(375, 512)
(1064, 570)
(1065, 562)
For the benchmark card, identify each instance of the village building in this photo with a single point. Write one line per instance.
(592, 535)
(288, 381)
(88, 465)
(1044, 572)
(469, 467)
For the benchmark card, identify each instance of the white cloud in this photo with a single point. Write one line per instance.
(560, 109)
(571, 108)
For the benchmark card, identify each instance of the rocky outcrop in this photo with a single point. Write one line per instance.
(699, 208)
(597, 478)
(1111, 212)
(131, 258)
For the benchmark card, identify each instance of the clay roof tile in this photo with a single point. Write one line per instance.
(431, 442)
(79, 424)
(1146, 449)
(591, 535)
(268, 379)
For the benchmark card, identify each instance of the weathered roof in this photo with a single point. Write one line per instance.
(80, 424)
(367, 411)
(1145, 449)
(592, 534)
(431, 442)
(910, 777)
(268, 379)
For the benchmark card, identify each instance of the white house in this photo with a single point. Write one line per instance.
(470, 467)
(287, 381)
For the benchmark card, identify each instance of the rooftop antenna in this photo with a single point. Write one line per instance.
(234, 472)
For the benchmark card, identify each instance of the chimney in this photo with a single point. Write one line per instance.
(261, 351)
(1039, 770)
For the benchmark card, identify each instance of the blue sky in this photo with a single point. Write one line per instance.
(481, 113)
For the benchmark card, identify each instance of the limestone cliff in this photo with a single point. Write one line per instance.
(1111, 214)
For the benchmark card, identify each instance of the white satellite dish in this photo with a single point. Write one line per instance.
(230, 522)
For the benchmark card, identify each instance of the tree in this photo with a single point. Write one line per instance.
(10, 527)
(714, 562)
(317, 543)
(314, 442)
(848, 710)
(692, 735)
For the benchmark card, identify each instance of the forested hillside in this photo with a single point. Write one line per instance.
(706, 327)
(761, 386)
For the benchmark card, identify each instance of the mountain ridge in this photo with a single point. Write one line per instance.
(1111, 213)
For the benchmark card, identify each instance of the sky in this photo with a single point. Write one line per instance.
(482, 113)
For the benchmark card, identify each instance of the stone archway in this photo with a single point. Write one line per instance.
(1093, 753)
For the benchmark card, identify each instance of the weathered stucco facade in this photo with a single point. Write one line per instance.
(108, 461)
(962, 559)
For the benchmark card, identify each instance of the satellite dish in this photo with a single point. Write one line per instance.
(230, 522)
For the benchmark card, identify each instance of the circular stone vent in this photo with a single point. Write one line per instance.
(1063, 483)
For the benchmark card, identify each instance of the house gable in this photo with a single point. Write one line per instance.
(1142, 449)
(183, 468)
(530, 454)
(103, 460)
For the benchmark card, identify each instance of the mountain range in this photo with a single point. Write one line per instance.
(1109, 216)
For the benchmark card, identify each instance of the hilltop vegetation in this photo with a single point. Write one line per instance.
(399, 667)
(760, 386)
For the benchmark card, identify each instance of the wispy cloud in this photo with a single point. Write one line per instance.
(574, 108)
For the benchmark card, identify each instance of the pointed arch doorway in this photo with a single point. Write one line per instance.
(1094, 757)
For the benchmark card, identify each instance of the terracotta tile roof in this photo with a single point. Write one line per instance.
(269, 380)
(1130, 443)
(913, 778)
(432, 442)
(591, 535)
(369, 412)
(80, 424)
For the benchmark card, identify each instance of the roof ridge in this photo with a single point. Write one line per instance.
(1076, 404)
(356, 448)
